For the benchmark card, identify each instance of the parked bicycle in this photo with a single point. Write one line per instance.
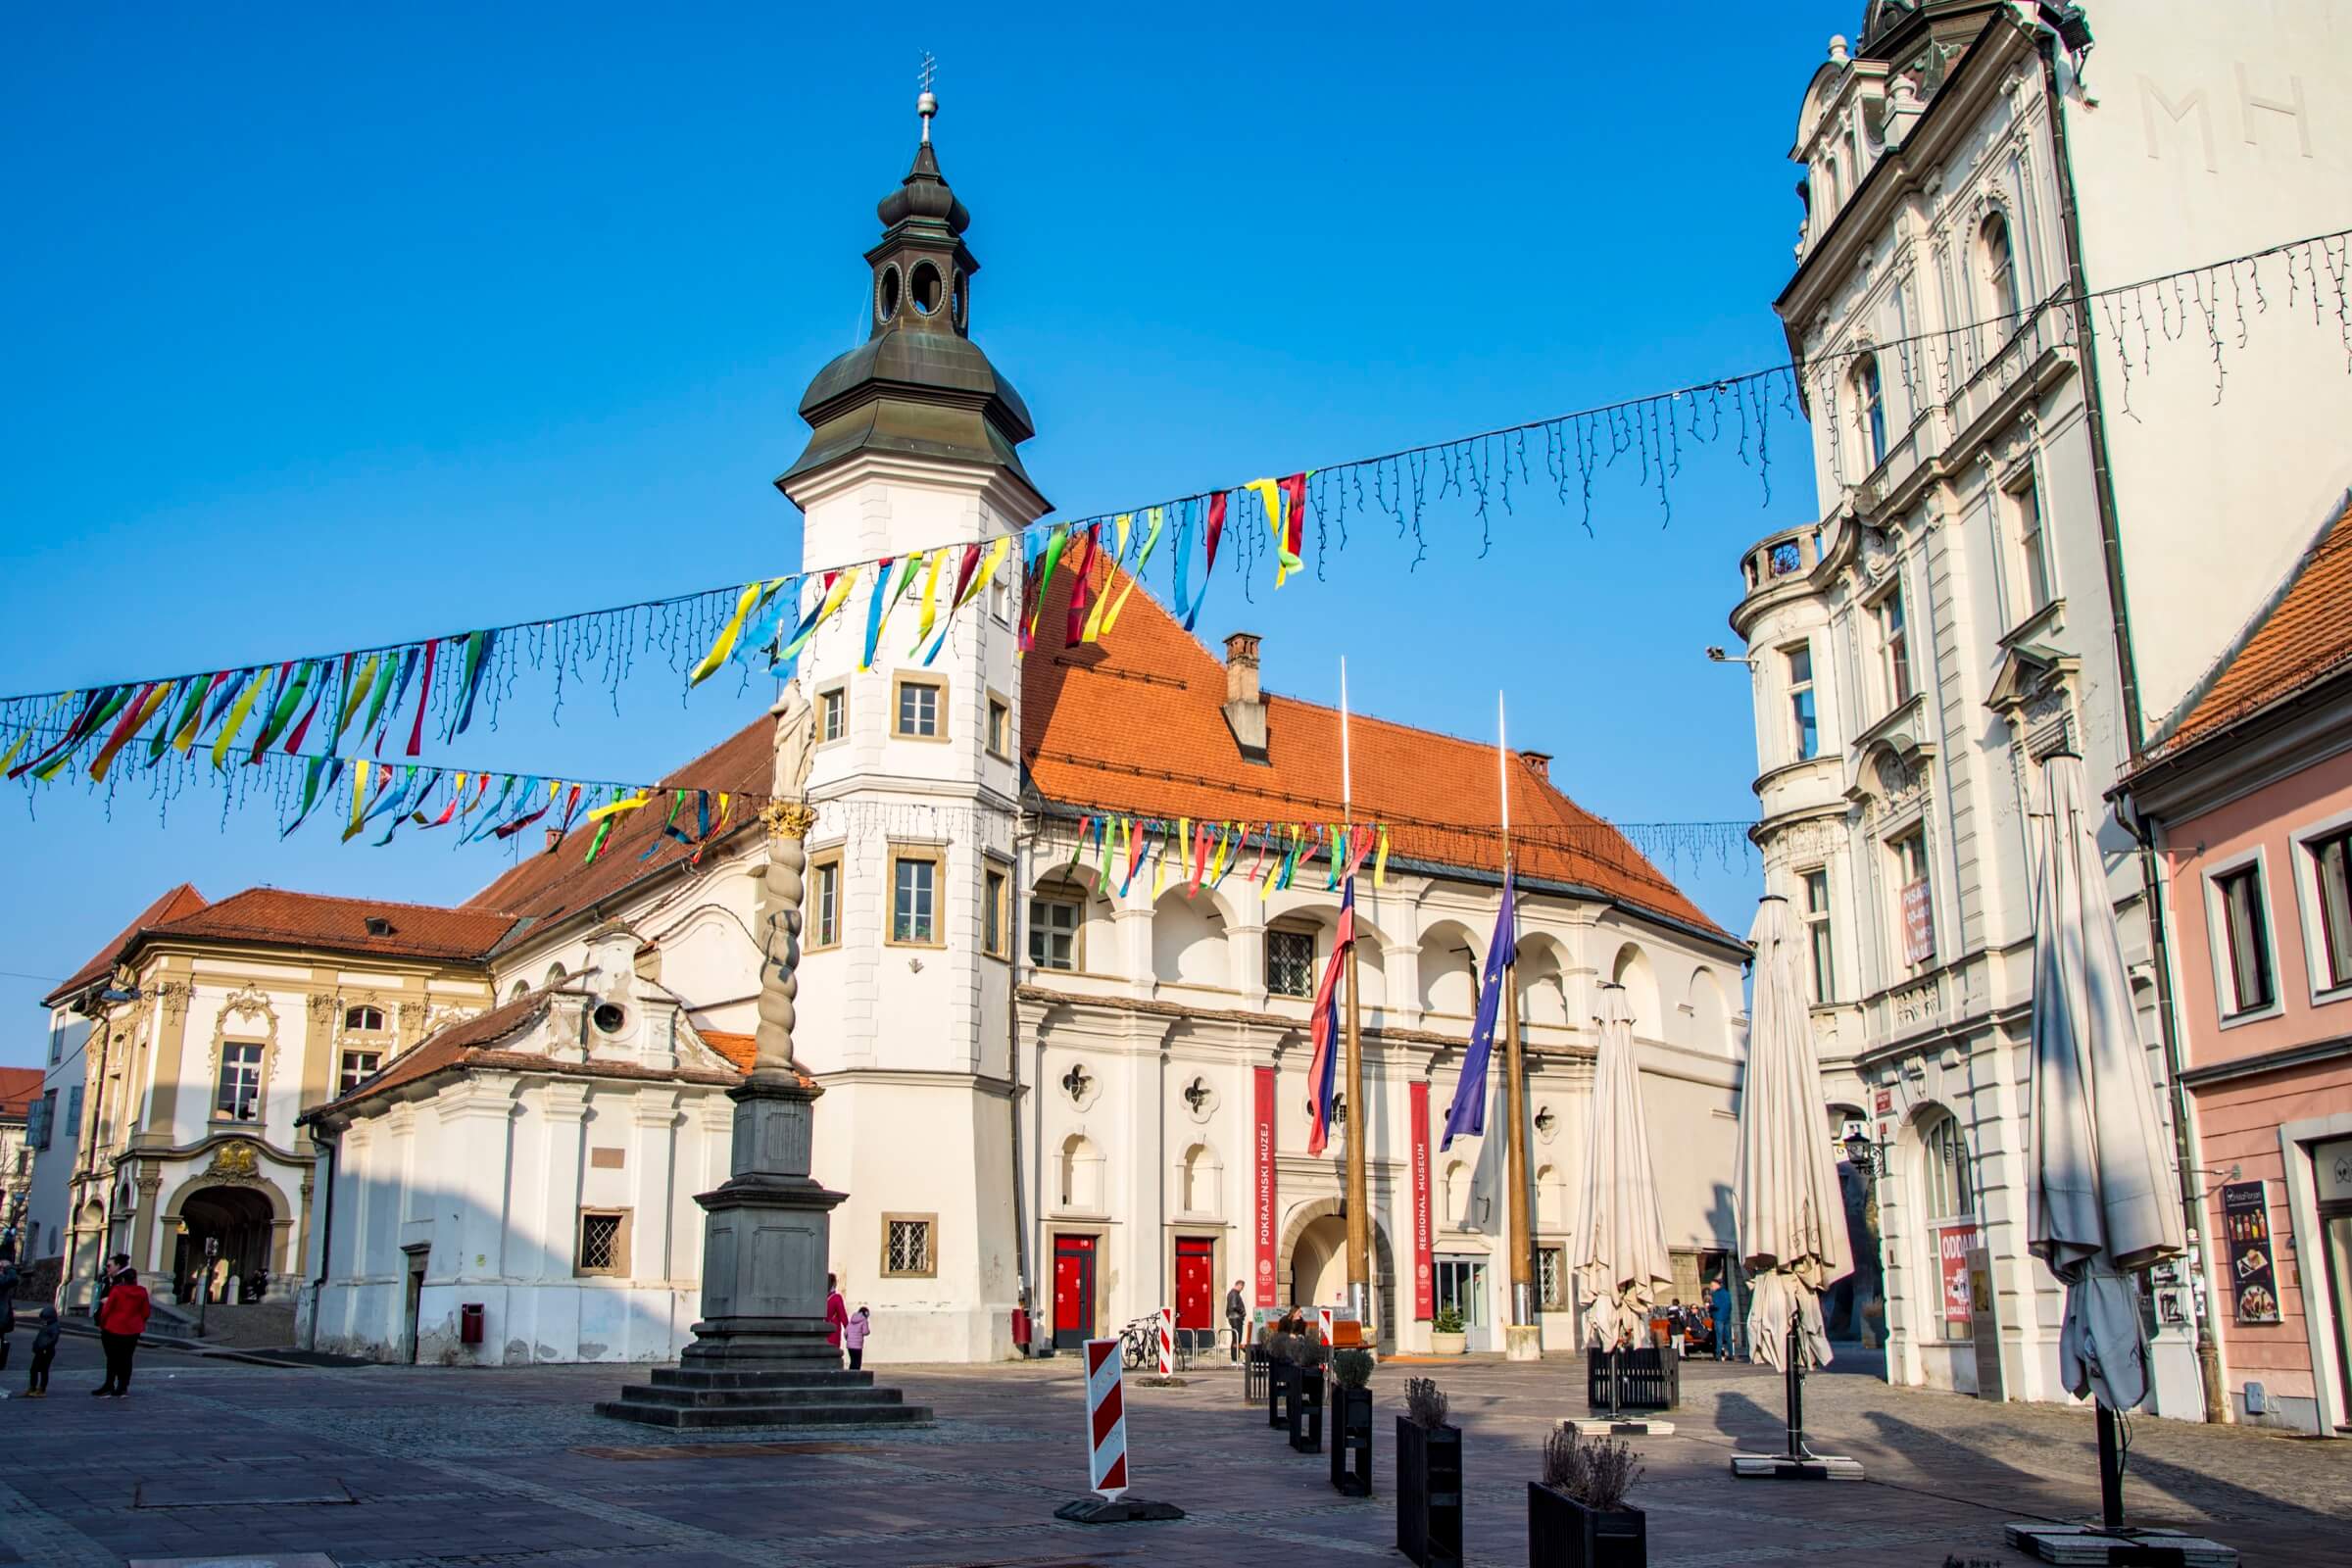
(1138, 1344)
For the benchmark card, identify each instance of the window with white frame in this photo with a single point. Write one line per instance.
(832, 714)
(824, 903)
(356, 1068)
(1804, 723)
(1000, 727)
(2024, 501)
(1894, 647)
(2331, 881)
(996, 911)
(2249, 984)
(1820, 935)
(1054, 922)
(1870, 411)
(917, 715)
(364, 1020)
(238, 1097)
(2000, 275)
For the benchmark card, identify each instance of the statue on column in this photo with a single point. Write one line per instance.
(788, 817)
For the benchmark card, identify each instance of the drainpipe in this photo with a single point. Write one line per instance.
(1015, 882)
(2111, 549)
(326, 1146)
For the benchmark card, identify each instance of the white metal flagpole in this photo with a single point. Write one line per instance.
(1346, 770)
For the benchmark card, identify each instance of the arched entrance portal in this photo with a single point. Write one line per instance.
(239, 1219)
(1312, 1266)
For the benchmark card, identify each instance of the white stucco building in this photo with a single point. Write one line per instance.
(1990, 524)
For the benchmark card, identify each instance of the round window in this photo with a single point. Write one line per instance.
(610, 1016)
(927, 289)
(886, 293)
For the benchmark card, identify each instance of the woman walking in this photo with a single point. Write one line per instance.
(120, 1321)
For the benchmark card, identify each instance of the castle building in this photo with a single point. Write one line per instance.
(1057, 1092)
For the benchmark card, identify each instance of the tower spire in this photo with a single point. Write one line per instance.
(926, 102)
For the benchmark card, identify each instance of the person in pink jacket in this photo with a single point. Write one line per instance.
(853, 1335)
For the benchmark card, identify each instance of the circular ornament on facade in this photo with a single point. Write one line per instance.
(1200, 1099)
(886, 293)
(1548, 1124)
(609, 1017)
(1082, 1087)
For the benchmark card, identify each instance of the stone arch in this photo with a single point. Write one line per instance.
(1322, 910)
(1096, 950)
(1459, 1177)
(1632, 970)
(557, 974)
(1312, 1217)
(249, 1216)
(1449, 958)
(1200, 1181)
(1710, 1015)
(1541, 968)
(1078, 1169)
(1188, 941)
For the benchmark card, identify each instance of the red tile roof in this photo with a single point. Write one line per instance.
(183, 899)
(1136, 723)
(19, 1086)
(318, 920)
(2304, 637)
(737, 1049)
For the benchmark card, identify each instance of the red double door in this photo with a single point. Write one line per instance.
(1196, 1282)
(1073, 1290)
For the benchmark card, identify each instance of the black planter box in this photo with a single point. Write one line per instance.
(1653, 1378)
(1281, 1377)
(1562, 1533)
(1306, 1410)
(1253, 1374)
(1352, 1442)
(1429, 1494)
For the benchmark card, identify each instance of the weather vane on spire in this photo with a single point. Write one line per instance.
(927, 104)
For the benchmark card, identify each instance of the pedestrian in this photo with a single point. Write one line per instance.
(1236, 1313)
(44, 1350)
(837, 1311)
(119, 1325)
(1719, 1307)
(853, 1335)
(114, 1269)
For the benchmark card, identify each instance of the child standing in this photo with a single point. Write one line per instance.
(852, 1336)
(44, 1350)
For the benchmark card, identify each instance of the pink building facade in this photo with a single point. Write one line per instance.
(2249, 808)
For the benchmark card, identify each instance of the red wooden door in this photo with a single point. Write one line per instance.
(1073, 1290)
(1196, 1282)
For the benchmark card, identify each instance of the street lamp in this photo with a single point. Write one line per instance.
(1864, 1155)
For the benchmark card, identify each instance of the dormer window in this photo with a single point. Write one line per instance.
(378, 926)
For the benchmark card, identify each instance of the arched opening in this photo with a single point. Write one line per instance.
(1313, 1264)
(1188, 941)
(1630, 969)
(1710, 1019)
(1448, 970)
(1999, 261)
(1081, 1173)
(1068, 920)
(1549, 1194)
(1202, 1181)
(1943, 1180)
(237, 1220)
(1457, 1193)
(1543, 983)
(557, 974)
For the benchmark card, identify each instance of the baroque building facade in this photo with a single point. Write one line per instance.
(1960, 611)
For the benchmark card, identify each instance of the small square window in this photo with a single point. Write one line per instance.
(832, 714)
(603, 1242)
(918, 712)
(824, 904)
(1290, 964)
(1000, 727)
(1053, 934)
(914, 899)
(909, 1248)
(995, 906)
(357, 1068)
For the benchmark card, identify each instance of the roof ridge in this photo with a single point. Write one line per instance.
(351, 897)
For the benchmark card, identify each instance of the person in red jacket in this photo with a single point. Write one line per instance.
(836, 1312)
(122, 1318)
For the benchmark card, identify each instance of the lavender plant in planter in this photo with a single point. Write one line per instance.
(1428, 1479)
(1576, 1516)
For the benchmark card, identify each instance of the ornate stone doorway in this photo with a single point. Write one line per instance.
(241, 1221)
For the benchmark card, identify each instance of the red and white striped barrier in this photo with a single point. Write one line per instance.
(1323, 1320)
(1105, 1420)
(1167, 1342)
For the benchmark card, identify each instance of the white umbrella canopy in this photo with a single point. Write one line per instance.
(2103, 1203)
(1620, 1257)
(1790, 1208)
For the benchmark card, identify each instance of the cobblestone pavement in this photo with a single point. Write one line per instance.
(426, 1468)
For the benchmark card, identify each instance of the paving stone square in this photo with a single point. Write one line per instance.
(509, 1469)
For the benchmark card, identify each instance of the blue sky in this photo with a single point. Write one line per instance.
(328, 330)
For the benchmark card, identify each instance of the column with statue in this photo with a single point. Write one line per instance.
(760, 1355)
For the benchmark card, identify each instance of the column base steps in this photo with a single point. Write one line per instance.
(689, 1398)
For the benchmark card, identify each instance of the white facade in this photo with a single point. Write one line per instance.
(58, 1134)
(1949, 622)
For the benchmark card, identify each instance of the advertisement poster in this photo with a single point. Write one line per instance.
(1263, 1184)
(2246, 1227)
(1953, 1244)
(1919, 924)
(1425, 1303)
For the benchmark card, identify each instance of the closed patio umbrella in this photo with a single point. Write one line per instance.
(1621, 1256)
(1789, 1206)
(2101, 1192)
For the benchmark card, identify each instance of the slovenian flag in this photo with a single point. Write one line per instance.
(1322, 1072)
(1467, 1116)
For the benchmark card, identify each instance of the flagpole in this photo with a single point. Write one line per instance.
(1360, 1212)
(1522, 1340)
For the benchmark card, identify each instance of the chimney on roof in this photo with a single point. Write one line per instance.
(1541, 762)
(1245, 705)
(555, 837)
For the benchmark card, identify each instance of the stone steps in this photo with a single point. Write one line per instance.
(765, 1415)
(718, 1399)
(761, 1397)
(671, 1377)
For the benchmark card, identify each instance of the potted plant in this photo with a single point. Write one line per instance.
(1576, 1516)
(1351, 1423)
(1284, 1353)
(1306, 1403)
(1447, 1336)
(1428, 1479)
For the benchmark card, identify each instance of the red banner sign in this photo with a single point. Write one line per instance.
(1918, 922)
(1425, 1301)
(1263, 1185)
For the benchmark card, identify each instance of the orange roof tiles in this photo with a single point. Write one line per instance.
(2306, 636)
(737, 1049)
(1136, 725)
(181, 900)
(319, 921)
(19, 1086)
